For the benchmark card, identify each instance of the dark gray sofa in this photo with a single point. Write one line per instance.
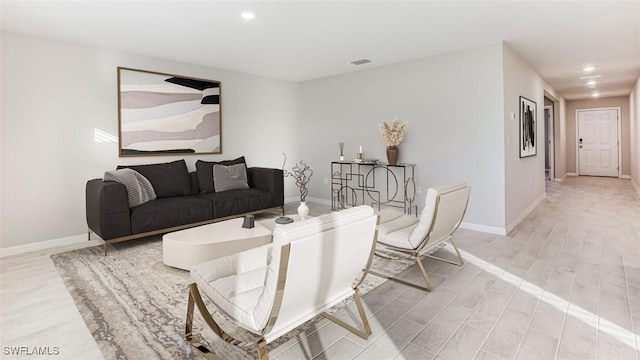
(183, 200)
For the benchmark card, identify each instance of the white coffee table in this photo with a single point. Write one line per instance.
(185, 248)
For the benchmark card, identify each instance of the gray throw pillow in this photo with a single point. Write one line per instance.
(230, 177)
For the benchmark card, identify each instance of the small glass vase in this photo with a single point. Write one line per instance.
(392, 155)
(303, 210)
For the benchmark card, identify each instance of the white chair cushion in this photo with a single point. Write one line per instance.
(392, 220)
(399, 238)
(234, 283)
(408, 232)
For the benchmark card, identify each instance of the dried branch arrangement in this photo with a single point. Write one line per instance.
(302, 174)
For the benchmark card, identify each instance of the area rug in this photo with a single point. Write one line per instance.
(135, 306)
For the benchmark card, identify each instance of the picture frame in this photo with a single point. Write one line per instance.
(528, 125)
(165, 114)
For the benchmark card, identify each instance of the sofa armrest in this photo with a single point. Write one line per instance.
(107, 209)
(268, 179)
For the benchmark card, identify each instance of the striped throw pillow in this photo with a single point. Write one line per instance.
(230, 177)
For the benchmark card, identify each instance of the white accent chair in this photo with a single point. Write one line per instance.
(311, 266)
(411, 237)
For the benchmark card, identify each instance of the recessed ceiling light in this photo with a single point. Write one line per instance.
(588, 68)
(248, 15)
(591, 83)
(595, 94)
(590, 77)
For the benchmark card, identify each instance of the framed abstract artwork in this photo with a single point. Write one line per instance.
(163, 114)
(528, 125)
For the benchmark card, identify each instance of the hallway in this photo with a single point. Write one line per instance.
(565, 284)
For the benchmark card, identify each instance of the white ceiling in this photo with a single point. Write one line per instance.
(303, 40)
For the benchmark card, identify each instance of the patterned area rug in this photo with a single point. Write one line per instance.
(135, 306)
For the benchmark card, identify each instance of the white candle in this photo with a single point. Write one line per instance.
(360, 148)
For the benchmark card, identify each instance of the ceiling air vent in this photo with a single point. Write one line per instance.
(360, 62)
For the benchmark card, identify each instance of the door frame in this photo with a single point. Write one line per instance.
(552, 163)
(619, 147)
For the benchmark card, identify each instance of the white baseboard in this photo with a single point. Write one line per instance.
(628, 177)
(293, 199)
(572, 174)
(321, 201)
(526, 212)
(43, 245)
(483, 228)
(296, 200)
(563, 178)
(635, 185)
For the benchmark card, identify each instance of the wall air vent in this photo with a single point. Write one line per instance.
(360, 62)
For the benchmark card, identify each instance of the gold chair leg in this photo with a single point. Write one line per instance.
(188, 330)
(195, 298)
(363, 317)
(416, 258)
(461, 261)
(261, 348)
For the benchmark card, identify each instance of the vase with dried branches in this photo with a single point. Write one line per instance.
(392, 135)
(301, 173)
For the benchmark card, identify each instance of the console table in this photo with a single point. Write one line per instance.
(376, 184)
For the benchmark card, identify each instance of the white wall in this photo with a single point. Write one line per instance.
(524, 177)
(56, 95)
(453, 104)
(634, 135)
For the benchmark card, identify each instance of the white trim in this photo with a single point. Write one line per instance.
(635, 185)
(552, 153)
(572, 174)
(526, 212)
(563, 178)
(48, 244)
(483, 228)
(296, 200)
(618, 124)
(319, 201)
(293, 199)
(628, 177)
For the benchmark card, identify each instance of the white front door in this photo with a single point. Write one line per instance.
(598, 142)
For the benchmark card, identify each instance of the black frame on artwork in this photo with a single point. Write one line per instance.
(166, 114)
(528, 127)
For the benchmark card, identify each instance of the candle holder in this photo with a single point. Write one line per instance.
(360, 156)
(341, 151)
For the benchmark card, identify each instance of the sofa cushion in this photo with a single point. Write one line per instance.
(169, 212)
(234, 202)
(230, 177)
(168, 179)
(204, 171)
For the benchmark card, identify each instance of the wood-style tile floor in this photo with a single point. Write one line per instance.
(565, 284)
